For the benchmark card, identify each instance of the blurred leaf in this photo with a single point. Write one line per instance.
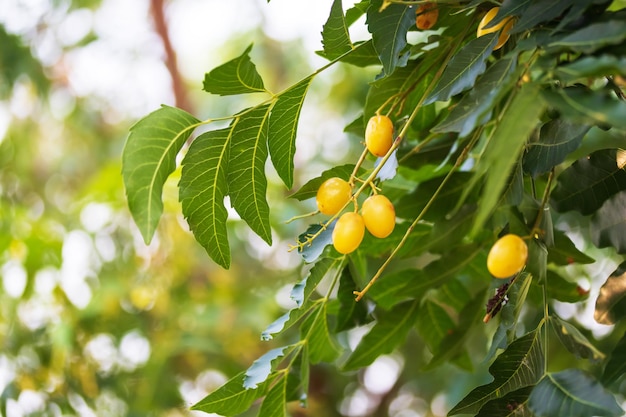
(390, 330)
(309, 190)
(283, 128)
(574, 391)
(261, 368)
(608, 224)
(564, 252)
(510, 8)
(513, 404)
(611, 303)
(616, 364)
(464, 68)
(519, 366)
(433, 324)
(388, 28)
(149, 157)
(231, 398)
(539, 12)
(335, 35)
(588, 183)
(363, 55)
(312, 251)
(591, 66)
(574, 340)
(321, 345)
(565, 291)
(237, 76)
(247, 183)
(448, 233)
(557, 139)
(594, 36)
(203, 186)
(275, 402)
(351, 313)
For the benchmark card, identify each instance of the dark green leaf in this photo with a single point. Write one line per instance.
(564, 252)
(321, 345)
(388, 28)
(261, 368)
(283, 127)
(510, 8)
(149, 158)
(591, 66)
(463, 69)
(275, 402)
(561, 289)
(572, 393)
(588, 183)
(363, 55)
(335, 35)
(237, 76)
(351, 313)
(557, 139)
(389, 331)
(616, 365)
(203, 186)
(574, 340)
(519, 366)
(448, 233)
(231, 398)
(247, 183)
(433, 324)
(309, 190)
(539, 12)
(513, 404)
(595, 36)
(611, 303)
(608, 224)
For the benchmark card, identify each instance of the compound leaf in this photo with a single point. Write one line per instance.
(237, 76)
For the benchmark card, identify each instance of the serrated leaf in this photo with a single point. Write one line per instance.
(237, 76)
(149, 157)
(335, 35)
(574, 340)
(588, 183)
(557, 139)
(564, 252)
(231, 398)
(611, 303)
(474, 106)
(539, 12)
(519, 366)
(594, 37)
(513, 404)
(616, 365)
(503, 151)
(464, 68)
(573, 393)
(283, 128)
(608, 224)
(202, 189)
(262, 368)
(389, 331)
(591, 66)
(321, 345)
(275, 402)
(309, 189)
(351, 313)
(389, 28)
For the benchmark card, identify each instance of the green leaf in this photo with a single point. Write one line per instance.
(563, 290)
(478, 103)
(464, 68)
(321, 345)
(611, 303)
(351, 313)
(574, 340)
(588, 183)
(564, 252)
(247, 183)
(275, 402)
(573, 393)
(335, 35)
(591, 66)
(363, 55)
(237, 76)
(149, 157)
(503, 151)
(262, 368)
(309, 190)
(231, 398)
(539, 12)
(519, 366)
(616, 365)
(389, 28)
(389, 331)
(202, 189)
(608, 224)
(283, 128)
(510, 8)
(433, 324)
(594, 37)
(557, 139)
(513, 404)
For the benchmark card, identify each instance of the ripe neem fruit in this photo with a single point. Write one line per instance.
(379, 215)
(348, 233)
(507, 256)
(426, 15)
(379, 135)
(332, 195)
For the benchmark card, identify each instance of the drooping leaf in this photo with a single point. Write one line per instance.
(574, 340)
(310, 252)
(275, 402)
(594, 37)
(513, 404)
(389, 331)
(616, 365)
(309, 189)
(283, 128)
(335, 35)
(611, 303)
(322, 347)
(520, 365)
(388, 28)
(261, 368)
(573, 393)
(539, 12)
(588, 183)
(237, 76)
(231, 398)
(591, 66)
(203, 186)
(608, 224)
(557, 139)
(149, 158)
(351, 313)
(464, 68)
(564, 252)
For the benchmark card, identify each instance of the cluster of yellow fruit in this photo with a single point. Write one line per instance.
(505, 24)
(377, 213)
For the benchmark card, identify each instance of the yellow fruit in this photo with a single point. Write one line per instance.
(488, 18)
(332, 195)
(426, 16)
(379, 215)
(348, 233)
(507, 256)
(379, 135)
